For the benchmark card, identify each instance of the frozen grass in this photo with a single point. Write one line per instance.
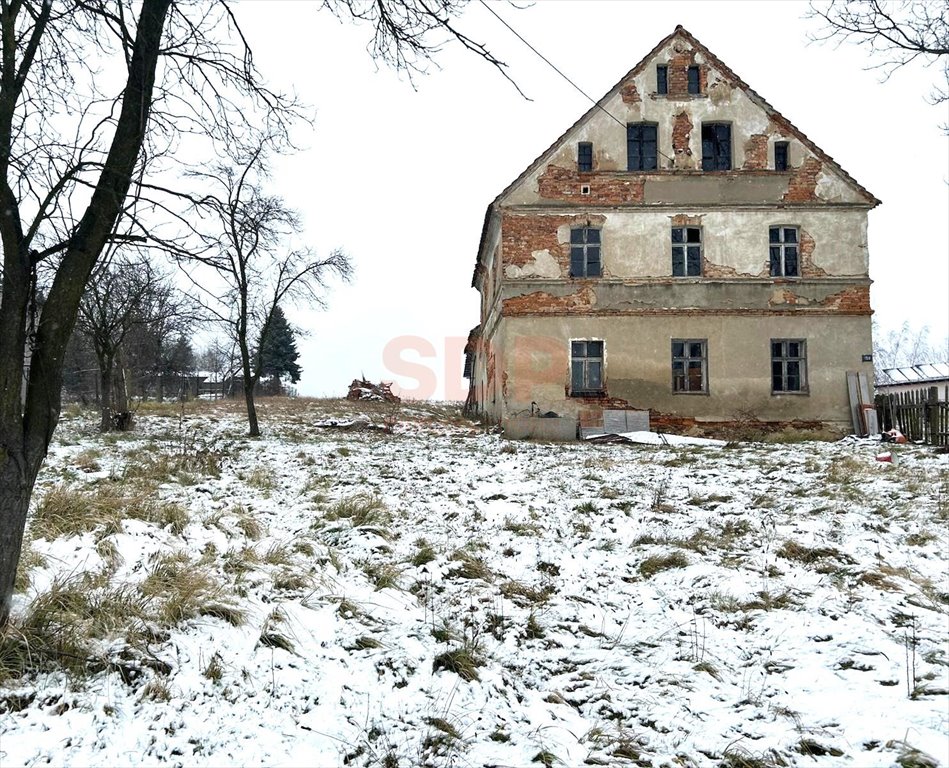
(436, 595)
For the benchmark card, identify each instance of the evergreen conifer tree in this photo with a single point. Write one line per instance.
(278, 351)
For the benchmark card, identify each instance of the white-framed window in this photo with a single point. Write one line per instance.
(586, 367)
(783, 252)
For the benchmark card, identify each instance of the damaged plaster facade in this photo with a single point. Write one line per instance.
(649, 230)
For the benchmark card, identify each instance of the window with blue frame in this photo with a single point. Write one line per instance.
(662, 78)
(694, 81)
(585, 252)
(642, 148)
(585, 156)
(716, 146)
(780, 155)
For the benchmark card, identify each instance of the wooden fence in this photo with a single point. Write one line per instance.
(919, 414)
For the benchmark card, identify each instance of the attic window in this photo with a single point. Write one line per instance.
(662, 79)
(694, 81)
(585, 156)
(716, 147)
(641, 146)
(780, 155)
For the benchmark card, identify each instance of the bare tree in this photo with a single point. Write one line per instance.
(125, 293)
(905, 347)
(127, 81)
(248, 244)
(895, 32)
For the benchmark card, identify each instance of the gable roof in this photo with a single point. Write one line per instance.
(787, 126)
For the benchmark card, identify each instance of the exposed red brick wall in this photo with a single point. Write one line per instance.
(850, 301)
(756, 152)
(563, 184)
(803, 184)
(673, 424)
(683, 220)
(679, 64)
(591, 415)
(681, 130)
(630, 94)
(716, 271)
(541, 302)
(807, 246)
(521, 235)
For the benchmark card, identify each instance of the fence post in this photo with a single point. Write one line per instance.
(932, 416)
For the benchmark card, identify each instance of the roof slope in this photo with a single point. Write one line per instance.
(787, 126)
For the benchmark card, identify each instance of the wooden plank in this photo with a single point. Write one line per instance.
(854, 402)
(870, 422)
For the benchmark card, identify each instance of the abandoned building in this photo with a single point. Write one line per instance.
(682, 249)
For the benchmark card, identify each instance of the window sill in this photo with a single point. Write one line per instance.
(589, 393)
(799, 393)
(690, 392)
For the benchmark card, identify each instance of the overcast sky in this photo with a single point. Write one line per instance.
(400, 177)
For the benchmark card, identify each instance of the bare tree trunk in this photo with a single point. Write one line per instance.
(253, 427)
(27, 426)
(105, 398)
(16, 488)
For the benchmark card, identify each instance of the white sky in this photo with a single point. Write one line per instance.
(401, 178)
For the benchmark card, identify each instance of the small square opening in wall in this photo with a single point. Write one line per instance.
(584, 189)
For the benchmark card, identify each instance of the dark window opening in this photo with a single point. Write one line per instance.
(641, 147)
(780, 155)
(694, 80)
(662, 78)
(788, 365)
(716, 147)
(585, 252)
(783, 252)
(586, 367)
(585, 156)
(686, 252)
(689, 366)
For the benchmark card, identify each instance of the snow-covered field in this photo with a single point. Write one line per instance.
(441, 596)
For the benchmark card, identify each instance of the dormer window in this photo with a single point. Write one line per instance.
(662, 79)
(585, 156)
(694, 81)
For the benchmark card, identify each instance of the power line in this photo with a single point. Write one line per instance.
(550, 64)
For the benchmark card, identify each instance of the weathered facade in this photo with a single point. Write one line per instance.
(682, 248)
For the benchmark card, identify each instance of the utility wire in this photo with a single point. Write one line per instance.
(559, 72)
(550, 64)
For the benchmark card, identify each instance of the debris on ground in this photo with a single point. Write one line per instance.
(654, 438)
(361, 389)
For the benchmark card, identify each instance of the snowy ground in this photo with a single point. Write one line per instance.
(441, 596)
